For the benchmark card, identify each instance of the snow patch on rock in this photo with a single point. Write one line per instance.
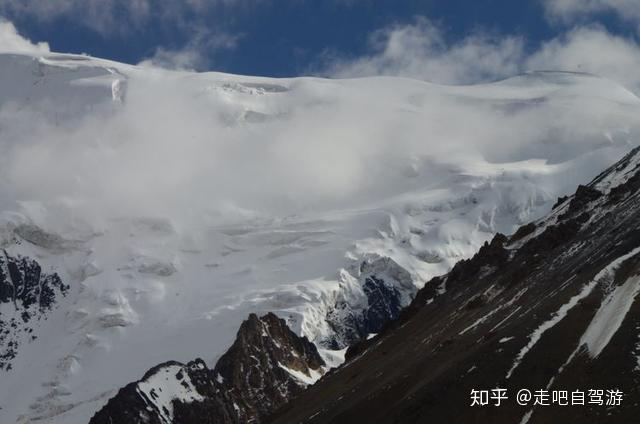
(162, 388)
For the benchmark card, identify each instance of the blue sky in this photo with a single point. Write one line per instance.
(300, 37)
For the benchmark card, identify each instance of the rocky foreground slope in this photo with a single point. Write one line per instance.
(551, 308)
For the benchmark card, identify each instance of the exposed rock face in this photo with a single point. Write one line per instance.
(554, 307)
(26, 294)
(385, 288)
(266, 366)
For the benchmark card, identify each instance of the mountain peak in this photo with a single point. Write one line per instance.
(266, 366)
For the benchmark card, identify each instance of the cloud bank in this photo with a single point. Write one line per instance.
(196, 54)
(202, 147)
(12, 42)
(205, 149)
(420, 50)
(117, 17)
(570, 10)
(196, 26)
(593, 50)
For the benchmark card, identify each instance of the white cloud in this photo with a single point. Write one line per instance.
(185, 147)
(184, 59)
(211, 147)
(591, 50)
(108, 17)
(197, 54)
(117, 17)
(316, 140)
(419, 50)
(196, 21)
(569, 10)
(12, 42)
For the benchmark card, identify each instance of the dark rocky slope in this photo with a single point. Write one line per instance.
(266, 366)
(27, 294)
(552, 307)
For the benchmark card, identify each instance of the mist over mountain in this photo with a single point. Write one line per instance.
(146, 213)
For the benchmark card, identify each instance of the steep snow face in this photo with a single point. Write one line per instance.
(175, 204)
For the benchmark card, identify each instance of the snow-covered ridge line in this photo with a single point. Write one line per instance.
(611, 179)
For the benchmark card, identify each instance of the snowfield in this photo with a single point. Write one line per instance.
(174, 203)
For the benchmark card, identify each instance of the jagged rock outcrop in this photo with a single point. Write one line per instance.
(554, 307)
(26, 295)
(266, 366)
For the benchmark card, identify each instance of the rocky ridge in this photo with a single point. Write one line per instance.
(266, 366)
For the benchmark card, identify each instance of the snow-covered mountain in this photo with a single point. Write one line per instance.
(173, 204)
